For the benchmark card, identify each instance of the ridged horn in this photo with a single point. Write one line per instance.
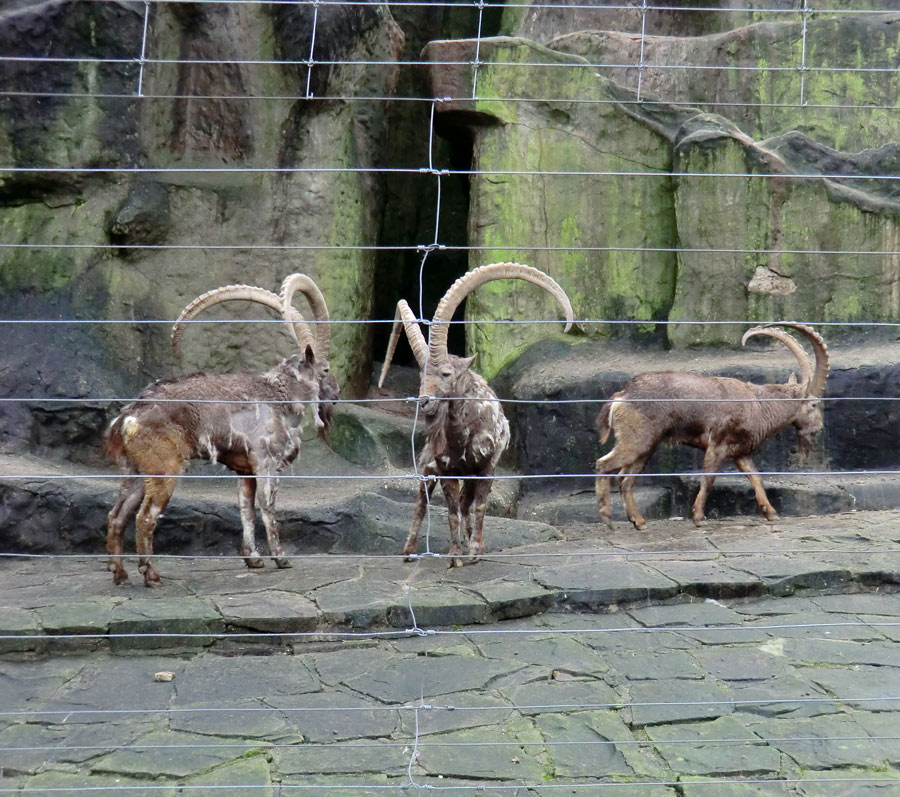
(407, 318)
(234, 293)
(813, 377)
(437, 341)
(820, 374)
(306, 285)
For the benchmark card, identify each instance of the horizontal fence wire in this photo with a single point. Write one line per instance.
(645, 103)
(409, 744)
(488, 322)
(650, 7)
(473, 632)
(43, 59)
(441, 248)
(573, 787)
(791, 176)
(623, 554)
(431, 478)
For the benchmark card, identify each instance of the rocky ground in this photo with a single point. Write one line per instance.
(746, 658)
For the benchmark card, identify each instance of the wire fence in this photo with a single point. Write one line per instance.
(472, 704)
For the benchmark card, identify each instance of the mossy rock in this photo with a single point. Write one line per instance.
(375, 439)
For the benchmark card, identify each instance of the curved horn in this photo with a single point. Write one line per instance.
(414, 335)
(306, 285)
(437, 342)
(807, 375)
(232, 293)
(820, 375)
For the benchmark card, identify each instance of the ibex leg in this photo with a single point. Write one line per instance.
(475, 493)
(451, 495)
(266, 498)
(712, 461)
(627, 478)
(426, 488)
(604, 497)
(157, 492)
(131, 493)
(615, 460)
(745, 465)
(246, 499)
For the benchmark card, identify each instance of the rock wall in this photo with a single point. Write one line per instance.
(220, 172)
(735, 177)
(762, 203)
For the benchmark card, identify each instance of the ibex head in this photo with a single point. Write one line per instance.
(318, 343)
(808, 419)
(441, 370)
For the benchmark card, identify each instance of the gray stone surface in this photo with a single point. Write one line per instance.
(721, 747)
(556, 665)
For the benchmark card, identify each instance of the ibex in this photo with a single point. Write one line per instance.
(247, 421)
(466, 430)
(729, 419)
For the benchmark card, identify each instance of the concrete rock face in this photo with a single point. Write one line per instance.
(739, 208)
(220, 157)
(542, 205)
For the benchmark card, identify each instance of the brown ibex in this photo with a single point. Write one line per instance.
(727, 418)
(466, 430)
(247, 421)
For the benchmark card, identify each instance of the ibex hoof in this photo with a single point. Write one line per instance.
(606, 521)
(456, 562)
(151, 577)
(120, 577)
(699, 522)
(283, 563)
(771, 516)
(254, 562)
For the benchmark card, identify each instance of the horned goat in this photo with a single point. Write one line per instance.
(247, 421)
(466, 430)
(729, 419)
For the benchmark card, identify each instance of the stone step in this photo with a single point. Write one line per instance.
(731, 497)
(71, 603)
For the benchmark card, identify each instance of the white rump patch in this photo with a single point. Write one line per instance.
(616, 407)
(130, 426)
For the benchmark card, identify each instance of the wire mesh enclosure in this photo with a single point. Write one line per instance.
(697, 196)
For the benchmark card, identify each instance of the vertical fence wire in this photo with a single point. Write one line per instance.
(426, 482)
(643, 41)
(143, 56)
(476, 63)
(804, 16)
(310, 62)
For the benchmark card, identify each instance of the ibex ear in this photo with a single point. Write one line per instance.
(467, 361)
(792, 379)
(309, 355)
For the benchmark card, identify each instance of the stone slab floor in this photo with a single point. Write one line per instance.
(746, 659)
(794, 695)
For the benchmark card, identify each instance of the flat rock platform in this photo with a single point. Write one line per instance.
(743, 658)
